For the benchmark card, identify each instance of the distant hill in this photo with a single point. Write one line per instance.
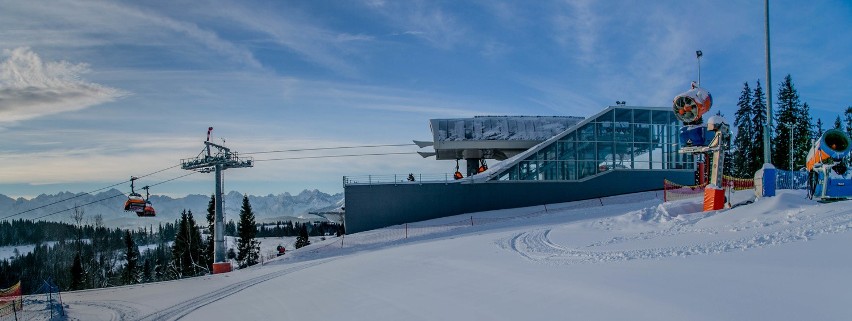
(266, 208)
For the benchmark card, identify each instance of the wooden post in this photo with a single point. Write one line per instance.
(406, 230)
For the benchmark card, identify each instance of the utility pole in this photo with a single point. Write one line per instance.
(217, 162)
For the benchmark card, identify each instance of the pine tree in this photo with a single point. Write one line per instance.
(302, 240)
(758, 121)
(77, 273)
(131, 255)
(838, 124)
(743, 142)
(788, 123)
(248, 248)
(819, 129)
(187, 248)
(211, 218)
(848, 115)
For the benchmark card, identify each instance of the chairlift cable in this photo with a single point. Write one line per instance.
(326, 148)
(81, 194)
(333, 156)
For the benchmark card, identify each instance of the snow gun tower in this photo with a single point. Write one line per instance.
(689, 107)
(217, 162)
(827, 175)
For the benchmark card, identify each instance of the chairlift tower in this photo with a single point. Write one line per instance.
(217, 159)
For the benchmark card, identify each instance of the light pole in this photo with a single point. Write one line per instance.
(767, 158)
(698, 55)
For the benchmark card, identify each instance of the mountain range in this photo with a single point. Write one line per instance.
(109, 205)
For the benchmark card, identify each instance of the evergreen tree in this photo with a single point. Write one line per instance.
(187, 248)
(77, 273)
(743, 142)
(848, 115)
(838, 124)
(131, 255)
(790, 121)
(819, 129)
(302, 240)
(758, 121)
(248, 248)
(211, 218)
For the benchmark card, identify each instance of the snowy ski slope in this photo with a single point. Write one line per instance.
(624, 257)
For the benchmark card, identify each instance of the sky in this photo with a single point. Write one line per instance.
(93, 92)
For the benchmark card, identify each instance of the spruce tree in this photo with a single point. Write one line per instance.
(743, 142)
(187, 248)
(787, 119)
(819, 129)
(848, 116)
(131, 255)
(758, 122)
(302, 240)
(802, 133)
(77, 273)
(838, 124)
(211, 218)
(248, 248)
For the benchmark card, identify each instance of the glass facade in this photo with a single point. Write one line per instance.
(617, 138)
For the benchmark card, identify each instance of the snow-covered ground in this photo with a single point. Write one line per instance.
(626, 257)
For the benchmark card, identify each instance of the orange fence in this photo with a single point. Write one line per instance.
(673, 191)
(10, 300)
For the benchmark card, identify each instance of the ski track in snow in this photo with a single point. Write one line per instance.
(536, 245)
(123, 310)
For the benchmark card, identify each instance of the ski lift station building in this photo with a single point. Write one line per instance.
(543, 160)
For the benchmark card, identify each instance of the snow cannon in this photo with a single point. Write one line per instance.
(833, 144)
(689, 106)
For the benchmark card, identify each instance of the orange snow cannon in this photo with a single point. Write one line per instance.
(689, 106)
(834, 144)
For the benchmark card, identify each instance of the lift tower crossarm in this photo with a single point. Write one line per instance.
(223, 159)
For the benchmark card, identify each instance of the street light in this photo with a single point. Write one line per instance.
(790, 126)
(698, 55)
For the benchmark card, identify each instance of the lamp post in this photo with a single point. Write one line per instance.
(698, 55)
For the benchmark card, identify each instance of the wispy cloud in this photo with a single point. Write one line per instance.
(30, 87)
(423, 20)
(81, 26)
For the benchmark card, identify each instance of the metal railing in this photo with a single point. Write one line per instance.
(397, 179)
(791, 179)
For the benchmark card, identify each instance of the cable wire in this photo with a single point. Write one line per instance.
(88, 193)
(326, 148)
(333, 156)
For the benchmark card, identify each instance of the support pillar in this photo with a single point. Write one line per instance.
(472, 166)
(220, 265)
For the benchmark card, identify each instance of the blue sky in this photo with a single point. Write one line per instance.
(93, 92)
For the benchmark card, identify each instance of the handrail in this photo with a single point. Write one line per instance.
(397, 179)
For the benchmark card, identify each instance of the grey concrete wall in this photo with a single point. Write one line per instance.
(375, 206)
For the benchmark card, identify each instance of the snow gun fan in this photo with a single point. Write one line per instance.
(688, 107)
(827, 174)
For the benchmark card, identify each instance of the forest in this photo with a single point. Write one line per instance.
(88, 256)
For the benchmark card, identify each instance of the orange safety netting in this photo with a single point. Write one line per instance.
(673, 191)
(10, 300)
